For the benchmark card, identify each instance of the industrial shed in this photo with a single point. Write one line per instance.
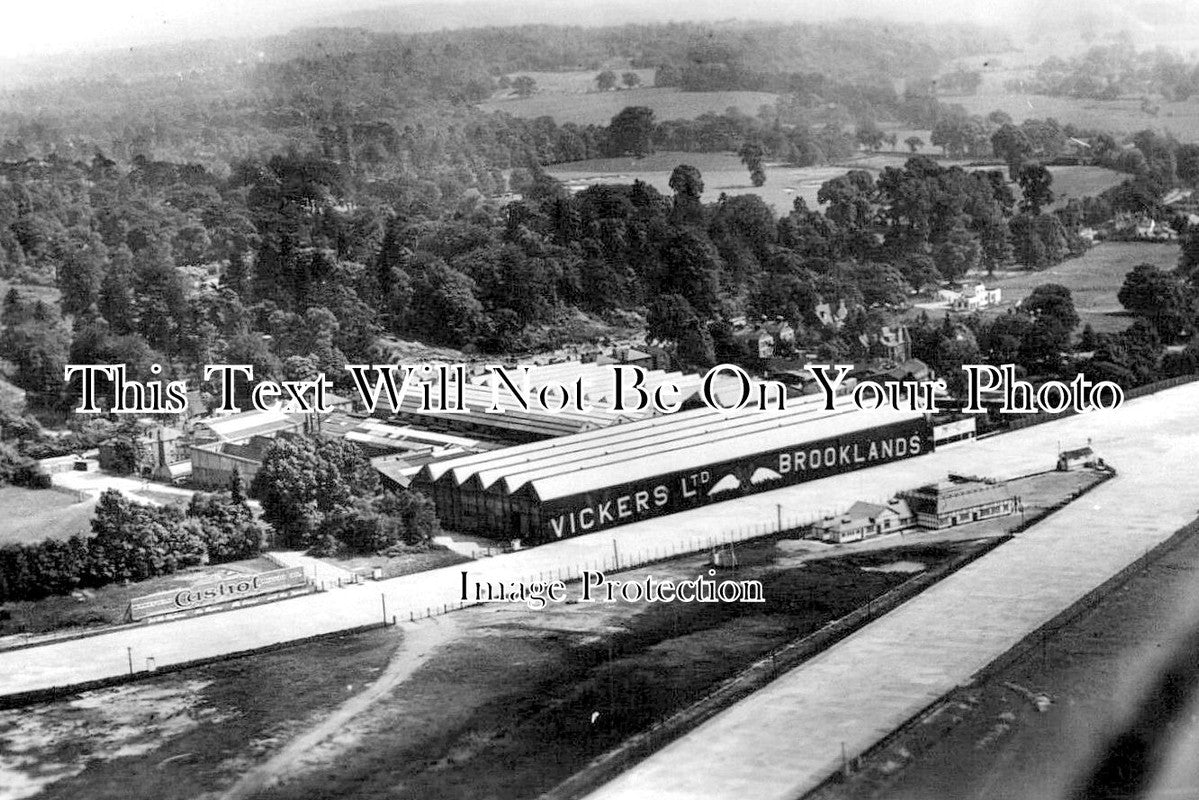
(521, 426)
(599, 479)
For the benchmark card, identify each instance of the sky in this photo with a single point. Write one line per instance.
(35, 27)
(38, 27)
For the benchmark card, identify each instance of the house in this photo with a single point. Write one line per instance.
(864, 520)
(782, 332)
(832, 317)
(1072, 459)
(960, 501)
(755, 342)
(896, 342)
(972, 297)
(150, 455)
(912, 369)
(891, 343)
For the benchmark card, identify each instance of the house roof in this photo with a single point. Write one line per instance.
(1081, 452)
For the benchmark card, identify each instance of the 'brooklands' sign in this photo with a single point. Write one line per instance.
(214, 592)
(679, 491)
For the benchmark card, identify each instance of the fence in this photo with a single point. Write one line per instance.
(1028, 420)
(638, 557)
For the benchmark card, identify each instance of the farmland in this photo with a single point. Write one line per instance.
(724, 172)
(30, 515)
(1094, 279)
(598, 108)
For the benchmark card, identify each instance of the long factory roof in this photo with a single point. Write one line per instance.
(598, 385)
(611, 456)
(778, 433)
(620, 436)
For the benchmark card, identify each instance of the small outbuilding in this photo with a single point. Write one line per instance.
(949, 503)
(1073, 459)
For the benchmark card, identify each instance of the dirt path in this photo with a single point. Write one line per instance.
(420, 641)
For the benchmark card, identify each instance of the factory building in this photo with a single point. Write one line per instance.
(595, 383)
(598, 479)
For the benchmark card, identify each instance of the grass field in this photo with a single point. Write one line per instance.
(30, 515)
(1094, 279)
(574, 82)
(403, 564)
(186, 730)
(724, 172)
(598, 108)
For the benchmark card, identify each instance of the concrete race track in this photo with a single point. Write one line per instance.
(784, 740)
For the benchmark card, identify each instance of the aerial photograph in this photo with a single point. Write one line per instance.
(556, 400)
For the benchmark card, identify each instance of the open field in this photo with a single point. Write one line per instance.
(575, 82)
(1078, 182)
(174, 736)
(1094, 279)
(598, 108)
(30, 515)
(415, 560)
(724, 172)
(1119, 117)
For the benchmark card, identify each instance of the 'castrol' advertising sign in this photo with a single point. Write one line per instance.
(215, 592)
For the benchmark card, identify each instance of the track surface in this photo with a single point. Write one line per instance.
(784, 740)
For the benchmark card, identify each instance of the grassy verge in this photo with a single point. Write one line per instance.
(107, 605)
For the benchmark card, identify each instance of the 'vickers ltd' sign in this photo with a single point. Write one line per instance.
(680, 491)
(215, 592)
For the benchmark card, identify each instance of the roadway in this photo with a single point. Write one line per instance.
(1034, 449)
(786, 739)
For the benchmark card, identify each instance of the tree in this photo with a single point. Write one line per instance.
(631, 132)
(302, 480)
(1052, 301)
(1161, 299)
(630, 79)
(81, 268)
(870, 135)
(1012, 145)
(751, 156)
(606, 80)
(914, 143)
(688, 185)
(444, 305)
(227, 525)
(1035, 185)
(524, 86)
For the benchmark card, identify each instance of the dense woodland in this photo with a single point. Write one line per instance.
(299, 206)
